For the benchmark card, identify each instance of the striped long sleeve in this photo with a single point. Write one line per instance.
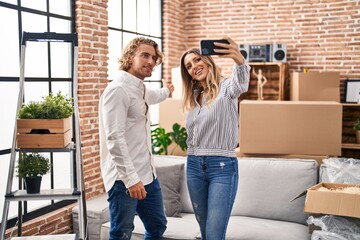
(214, 130)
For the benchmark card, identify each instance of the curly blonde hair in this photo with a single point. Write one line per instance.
(129, 52)
(189, 86)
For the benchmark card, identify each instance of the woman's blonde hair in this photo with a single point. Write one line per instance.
(189, 85)
(129, 52)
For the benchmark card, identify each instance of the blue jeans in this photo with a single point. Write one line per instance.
(212, 183)
(122, 210)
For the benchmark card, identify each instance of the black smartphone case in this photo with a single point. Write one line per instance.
(207, 46)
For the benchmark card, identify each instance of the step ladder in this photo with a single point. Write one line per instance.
(77, 191)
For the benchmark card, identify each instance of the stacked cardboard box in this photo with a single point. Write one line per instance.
(170, 112)
(315, 86)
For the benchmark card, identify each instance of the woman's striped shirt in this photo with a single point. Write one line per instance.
(214, 129)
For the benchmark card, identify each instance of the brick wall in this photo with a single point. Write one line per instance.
(175, 38)
(321, 35)
(57, 222)
(91, 25)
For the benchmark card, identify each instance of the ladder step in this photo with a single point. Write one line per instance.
(69, 148)
(48, 237)
(50, 37)
(51, 194)
(73, 193)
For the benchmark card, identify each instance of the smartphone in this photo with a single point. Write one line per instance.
(207, 46)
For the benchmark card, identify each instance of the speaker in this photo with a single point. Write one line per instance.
(278, 53)
(244, 50)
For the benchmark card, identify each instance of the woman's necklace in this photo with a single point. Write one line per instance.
(204, 90)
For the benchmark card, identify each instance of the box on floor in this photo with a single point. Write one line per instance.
(331, 198)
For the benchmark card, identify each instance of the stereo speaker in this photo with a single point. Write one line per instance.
(278, 53)
(244, 50)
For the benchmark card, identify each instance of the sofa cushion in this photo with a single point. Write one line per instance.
(170, 180)
(266, 186)
(97, 210)
(239, 228)
(184, 228)
(245, 228)
(170, 160)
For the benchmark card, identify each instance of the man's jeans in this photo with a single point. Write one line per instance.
(123, 208)
(212, 183)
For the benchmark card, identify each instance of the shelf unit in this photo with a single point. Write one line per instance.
(350, 146)
(351, 112)
(76, 192)
(277, 85)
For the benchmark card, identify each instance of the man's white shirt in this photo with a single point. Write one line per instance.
(124, 130)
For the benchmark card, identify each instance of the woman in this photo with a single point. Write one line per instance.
(212, 128)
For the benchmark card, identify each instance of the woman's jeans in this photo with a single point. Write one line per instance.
(122, 210)
(212, 183)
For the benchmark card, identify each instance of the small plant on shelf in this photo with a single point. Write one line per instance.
(357, 128)
(31, 167)
(45, 124)
(357, 125)
(52, 107)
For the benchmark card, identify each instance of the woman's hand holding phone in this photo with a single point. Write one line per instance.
(226, 48)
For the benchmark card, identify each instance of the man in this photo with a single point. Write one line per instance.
(127, 165)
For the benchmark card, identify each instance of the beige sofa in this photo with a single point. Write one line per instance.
(262, 209)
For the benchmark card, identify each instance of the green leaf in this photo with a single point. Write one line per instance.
(32, 165)
(52, 107)
(162, 140)
(179, 136)
(357, 124)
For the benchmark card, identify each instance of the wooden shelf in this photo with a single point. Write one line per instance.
(266, 63)
(350, 105)
(276, 87)
(350, 146)
(70, 147)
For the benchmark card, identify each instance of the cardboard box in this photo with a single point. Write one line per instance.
(315, 86)
(43, 133)
(290, 127)
(170, 112)
(333, 202)
(177, 82)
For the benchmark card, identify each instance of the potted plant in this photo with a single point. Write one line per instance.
(161, 140)
(45, 124)
(179, 136)
(31, 167)
(357, 128)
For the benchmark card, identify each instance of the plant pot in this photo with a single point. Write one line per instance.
(43, 133)
(33, 184)
(358, 136)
